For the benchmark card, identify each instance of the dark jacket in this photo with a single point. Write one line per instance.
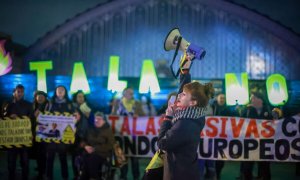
(20, 108)
(61, 107)
(251, 112)
(81, 129)
(101, 139)
(180, 142)
(221, 110)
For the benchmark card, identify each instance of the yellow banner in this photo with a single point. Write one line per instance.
(15, 132)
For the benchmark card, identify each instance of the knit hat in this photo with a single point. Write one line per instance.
(42, 93)
(98, 113)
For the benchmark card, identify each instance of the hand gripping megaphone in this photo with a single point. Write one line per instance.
(174, 40)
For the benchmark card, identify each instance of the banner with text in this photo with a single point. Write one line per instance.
(223, 138)
(55, 128)
(15, 132)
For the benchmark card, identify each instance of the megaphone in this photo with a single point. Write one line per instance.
(174, 40)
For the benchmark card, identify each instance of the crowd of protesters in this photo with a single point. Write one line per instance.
(94, 139)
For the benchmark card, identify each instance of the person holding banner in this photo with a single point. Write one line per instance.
(257, 109)
(80, 102)
(18, 107)
(182, 125)
(40, 104)
(128, 106)
(59, 103)
(207, 166)
(220, 109)
(82, 127)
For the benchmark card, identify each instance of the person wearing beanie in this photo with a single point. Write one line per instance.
(257, 109)
(40, 104)
(98, 146)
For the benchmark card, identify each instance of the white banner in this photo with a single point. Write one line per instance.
(55, 128)
(137, 136)
(243, 139)
(222, 138)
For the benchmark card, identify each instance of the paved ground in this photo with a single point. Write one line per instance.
(280, 171)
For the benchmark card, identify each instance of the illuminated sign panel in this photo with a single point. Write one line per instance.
(113, 83)
(79, 80)
(148, 81)
(236, 86)
(40, 67)
(277, 89)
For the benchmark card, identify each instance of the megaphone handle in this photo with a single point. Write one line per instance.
(172, 71)
(179, 70)
(174, 57)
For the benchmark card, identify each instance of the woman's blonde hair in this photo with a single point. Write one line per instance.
(200, 93)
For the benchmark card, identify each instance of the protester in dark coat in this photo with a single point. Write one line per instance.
(128, 106)
(82, 127)
(180, 143)
(18, 107)
(180, 131)
(59, 103)
(40, 104)
(220, 109)
(98, 146)
(258, 109)
(80, 101)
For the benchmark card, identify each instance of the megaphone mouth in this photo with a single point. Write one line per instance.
(175, 40)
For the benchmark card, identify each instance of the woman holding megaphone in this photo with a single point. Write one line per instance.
(180, 131)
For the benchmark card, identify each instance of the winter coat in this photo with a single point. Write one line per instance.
(221, 110)
(180, 142)
(101, 139)
(61, 107)
(251, 112)
(20, 108)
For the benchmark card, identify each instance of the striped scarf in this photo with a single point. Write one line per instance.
(192, 112)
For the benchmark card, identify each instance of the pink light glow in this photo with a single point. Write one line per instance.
(5, 60)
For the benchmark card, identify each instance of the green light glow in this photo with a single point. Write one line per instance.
(40, 67)
(277, 89)
(79, 80)
(113, 83)
(236, 88)
(148, 80)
